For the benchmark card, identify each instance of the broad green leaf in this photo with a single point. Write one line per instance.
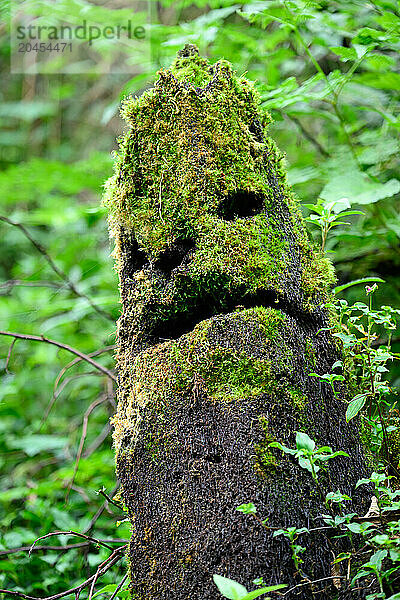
(303, 441)
(247, 509)
(283, 448)
(356, 405)
(229, 588)
(111, 587)
(345, 54)
(34, 444)
(359, 188)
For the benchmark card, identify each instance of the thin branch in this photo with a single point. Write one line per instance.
(60, 375)
(310, 583)
(42, 338)
(9, 356)
(11, 283)
(70, 284)
(121, 583)
(308, 136)
(114, 557)
(98, 441)
(77, 360)
(95, 578)
(75, 533)
(110, 500)
(45, 548)
(83, 438)
(55, 396)
(100, 510)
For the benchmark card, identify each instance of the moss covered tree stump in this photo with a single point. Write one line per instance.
(222, 297)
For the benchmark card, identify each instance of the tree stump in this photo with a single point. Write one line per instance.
(222, 310)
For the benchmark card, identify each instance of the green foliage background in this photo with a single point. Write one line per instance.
(327, 72)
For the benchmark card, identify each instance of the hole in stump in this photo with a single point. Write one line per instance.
(173, 256)
(240, 204)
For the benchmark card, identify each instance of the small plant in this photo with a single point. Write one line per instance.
(360, 329)
(235, 591)
(385, 497)
(327, 215)
(291, 534)
(331, 378)
(308, 454)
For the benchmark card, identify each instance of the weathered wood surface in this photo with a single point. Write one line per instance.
(222, 306)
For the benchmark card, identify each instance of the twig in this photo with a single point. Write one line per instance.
(22, 282)
(75, 533)
(100, 511)
(9, 356)
(95, 578)
(98, 441)
(110, 500)
(119, 587)
(55, 396)
(55, 268)
(41, 338)
(310, 583)
(77, 360)
(308, 136)
(114, 557)
(82, 440)
(45, 548)
(60, 375)
(56, 548)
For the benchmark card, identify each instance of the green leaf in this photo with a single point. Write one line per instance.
(357, 186)
(356, 405)
(283, 448)
(34, 444)
(333, 455)
(340, 288)
(229, 588)
(303, 441)
(261, 591)
(345, 54)
(247, 509)
(111, 587)
(377, 558)
(305, 463)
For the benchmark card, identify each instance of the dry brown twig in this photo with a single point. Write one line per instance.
(60, 389)
(117, 589)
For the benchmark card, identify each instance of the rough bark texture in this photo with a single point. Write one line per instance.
(222, 299)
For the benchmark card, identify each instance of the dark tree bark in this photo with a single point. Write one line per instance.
(222, 321)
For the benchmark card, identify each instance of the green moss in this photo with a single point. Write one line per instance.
(223, 368)
(270, 320)
(298, 399)
(266, 462)
(229, 375)
(194, 142)
(310, 353)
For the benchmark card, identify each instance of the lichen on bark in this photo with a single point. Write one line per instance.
(222, 310)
